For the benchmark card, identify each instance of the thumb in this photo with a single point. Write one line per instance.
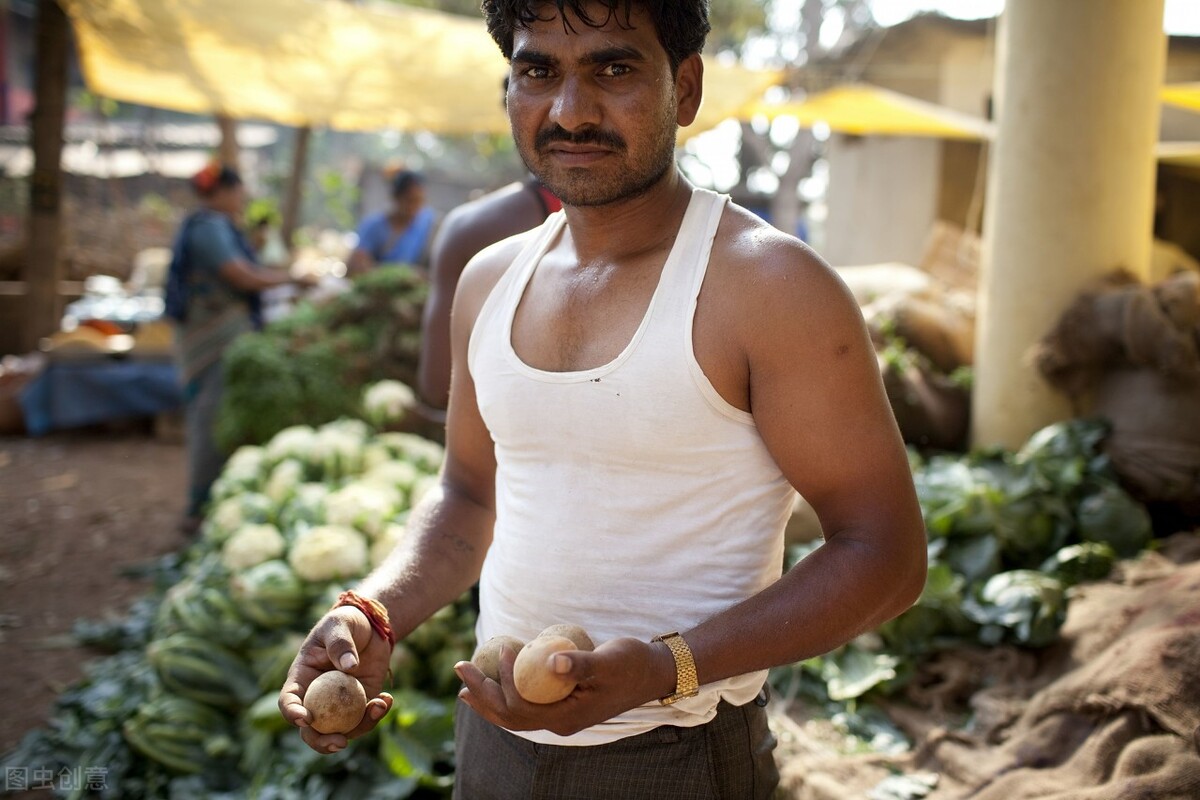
(573, 664)
(339, 645)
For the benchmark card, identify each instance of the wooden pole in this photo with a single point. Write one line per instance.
(295, 187)
(41, 273)
(228, 150)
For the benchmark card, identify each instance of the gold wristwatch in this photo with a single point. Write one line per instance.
(687, 684)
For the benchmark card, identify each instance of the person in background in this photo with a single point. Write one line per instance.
(467, 230)
(400, 235)
(212, 294)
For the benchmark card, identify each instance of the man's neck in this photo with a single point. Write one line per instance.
(629, 227)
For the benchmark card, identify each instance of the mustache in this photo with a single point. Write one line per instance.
(596, 136)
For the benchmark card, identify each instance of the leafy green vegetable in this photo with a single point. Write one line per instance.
(853, 671)
(310, 367)
(1022, 605)
(1111, 516)
(1076, 563)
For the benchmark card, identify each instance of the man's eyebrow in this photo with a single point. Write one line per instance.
(533, 57)
(608, 55)
(605, 55)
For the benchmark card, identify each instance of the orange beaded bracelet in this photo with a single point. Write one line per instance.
(375, 612)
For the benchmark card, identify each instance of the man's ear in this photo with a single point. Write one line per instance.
(689, 89)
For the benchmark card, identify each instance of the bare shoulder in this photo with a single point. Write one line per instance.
(484, 271)
(779, 278)
(497, 215)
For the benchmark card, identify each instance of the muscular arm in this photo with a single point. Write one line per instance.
(813, 387)
(439, 558)
(450, 531)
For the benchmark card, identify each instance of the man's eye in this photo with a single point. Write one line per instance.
(615, 70)
(537, 73)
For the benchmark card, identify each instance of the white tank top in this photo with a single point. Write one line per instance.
(631, 498)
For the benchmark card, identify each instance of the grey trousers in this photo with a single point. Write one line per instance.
(202, 398)
(729, 758)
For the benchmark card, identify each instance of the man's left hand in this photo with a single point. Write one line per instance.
(618, 675)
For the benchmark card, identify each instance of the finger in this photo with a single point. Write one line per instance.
(575, 665)
(377, 707)
(291, 696)
(293, 709)
(325, 743)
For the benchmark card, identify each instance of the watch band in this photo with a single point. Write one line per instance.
(687, 684)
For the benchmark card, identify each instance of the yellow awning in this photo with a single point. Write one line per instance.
(320, 63)
(863, 110)
(1185, 95)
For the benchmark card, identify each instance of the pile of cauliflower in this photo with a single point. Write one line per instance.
(327, 503)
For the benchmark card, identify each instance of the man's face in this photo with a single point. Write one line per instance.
(594, 111)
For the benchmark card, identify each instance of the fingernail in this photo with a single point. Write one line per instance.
(458, 672)
(333, 748)
(348, 661)
(562, 664)
(377, 713)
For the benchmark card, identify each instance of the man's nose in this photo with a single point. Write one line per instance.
(576, 105)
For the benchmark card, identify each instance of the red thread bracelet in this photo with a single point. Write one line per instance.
(375, 612)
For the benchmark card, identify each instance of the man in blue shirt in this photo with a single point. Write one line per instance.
(400, 235)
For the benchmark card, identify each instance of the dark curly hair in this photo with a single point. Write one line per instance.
(681, 25)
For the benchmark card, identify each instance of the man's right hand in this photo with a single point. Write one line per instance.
(343, 639)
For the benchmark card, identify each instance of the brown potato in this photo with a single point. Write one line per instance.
(535, 679)
(573, 632)
(487, 657)
(336, 701)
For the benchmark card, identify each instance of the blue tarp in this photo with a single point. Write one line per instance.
(73, 394)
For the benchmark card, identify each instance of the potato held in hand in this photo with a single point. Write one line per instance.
(533, 675)
(573, 632)
(336, 701)
(487, 659)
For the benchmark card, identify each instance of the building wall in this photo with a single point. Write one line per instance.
(883, 199)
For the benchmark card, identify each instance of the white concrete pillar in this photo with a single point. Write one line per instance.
(1070, 186)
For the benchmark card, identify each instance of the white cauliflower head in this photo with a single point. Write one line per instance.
(327, 552)
(366, 506)
(393, 474)
(251, 545)
(294, 442)
(338, 448)
(284, 479)
(230, 514)
(242, 472)
(387, 402)
(424, 454)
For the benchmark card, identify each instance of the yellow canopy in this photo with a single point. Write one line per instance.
(320, 63)
(1185, 95)
(864, 110)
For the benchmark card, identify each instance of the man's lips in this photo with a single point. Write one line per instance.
(576, 154)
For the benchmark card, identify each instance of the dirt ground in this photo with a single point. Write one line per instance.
(75, 509)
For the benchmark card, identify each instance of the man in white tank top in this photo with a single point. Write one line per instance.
(637, 387)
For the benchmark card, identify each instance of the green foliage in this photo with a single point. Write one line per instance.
(310, 367)
(1008, 534)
